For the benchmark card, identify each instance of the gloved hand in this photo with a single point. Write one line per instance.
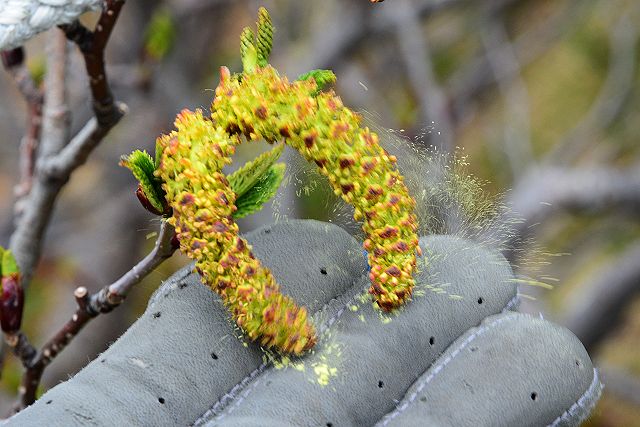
(455, 355)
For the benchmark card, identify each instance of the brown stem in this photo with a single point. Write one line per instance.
(14, 62)
(54, 169)
(21, 347)
(92, 45)
(89, 306)
(28, 149)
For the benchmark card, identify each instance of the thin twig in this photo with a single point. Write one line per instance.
(414, 49)
(52, 172)
(56, 118)
(14, 62)
(545, 190)
(327, 48)
(92, 46)
(615, 91)
(89, 306)
(506, 70)
(468, 83)
(597, 306)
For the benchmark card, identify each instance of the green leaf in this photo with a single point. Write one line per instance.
(142, 166)
(266, 187)
(158, 154)
(9, 265)
(264, 39)
(249, 174)
(2, 250)
(322, 78)
(160, 34)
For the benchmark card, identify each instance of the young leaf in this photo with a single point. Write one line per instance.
(160, 34)
(262, 192)
(248, 52)
(9, 265)
(264, 39)
(142, 166)
(322, 77)
(249, 174)
(2, 250)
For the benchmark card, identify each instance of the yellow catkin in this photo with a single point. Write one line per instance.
(203, 204)
(262, 105)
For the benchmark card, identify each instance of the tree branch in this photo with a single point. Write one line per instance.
(14, 62)
(414, 49)
(56, 118)
(92, 46)
(596, 307)
(328, 47)
(506, 70)
(615, 91)
(54, 170)
(545, 190)
(472, 80)
(89, 306)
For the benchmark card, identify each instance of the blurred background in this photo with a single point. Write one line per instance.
(539, 98)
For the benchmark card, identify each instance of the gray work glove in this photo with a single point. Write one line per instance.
(455, 355)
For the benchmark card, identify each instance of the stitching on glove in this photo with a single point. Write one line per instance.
(513, 302)
(441, 366)
(223, 404)
(591, 395)
(233, 394)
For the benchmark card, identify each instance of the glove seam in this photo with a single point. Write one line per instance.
(234, 393)
(513, 302)
(480, 331)
(592, 393)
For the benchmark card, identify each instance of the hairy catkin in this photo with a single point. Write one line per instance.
(203, 203)
(262, 105)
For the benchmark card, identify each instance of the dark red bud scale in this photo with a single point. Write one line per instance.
(11, 304)
(144, 201)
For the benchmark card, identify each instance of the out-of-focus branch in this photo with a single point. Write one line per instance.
(621, 384)
(351, 27)
(506, 70)
(14, 62)
(472, 80)
(596, 308)
(56, 118)
(89, 306)
(546, 190)
(186, 8)
(415, 53)
(52, 172)
(613, 94)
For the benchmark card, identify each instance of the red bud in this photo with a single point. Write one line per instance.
(12, 57)
(145, 202)
(11, 303)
